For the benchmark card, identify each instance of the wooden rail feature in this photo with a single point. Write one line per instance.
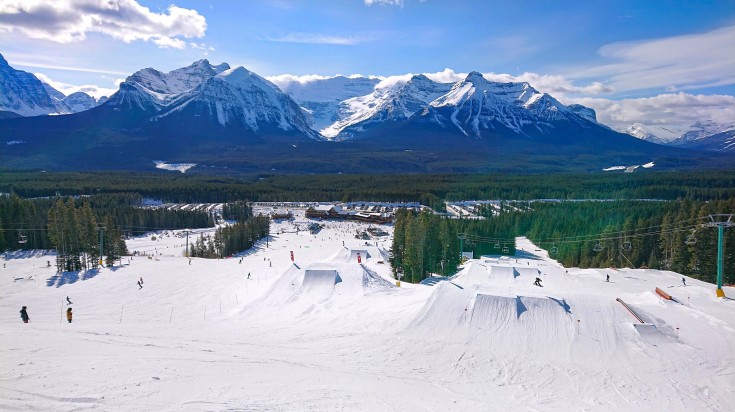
(663, 294)
(632, 312)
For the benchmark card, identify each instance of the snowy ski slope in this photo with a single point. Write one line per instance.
(328, 333)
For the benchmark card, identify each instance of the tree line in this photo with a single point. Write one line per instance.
(429, 189)
(72, 225)
(231, 239)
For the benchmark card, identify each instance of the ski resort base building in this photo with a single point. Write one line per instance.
(336, 212)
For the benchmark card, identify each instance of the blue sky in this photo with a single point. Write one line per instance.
(595, 52)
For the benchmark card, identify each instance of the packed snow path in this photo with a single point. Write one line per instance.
(328, 333)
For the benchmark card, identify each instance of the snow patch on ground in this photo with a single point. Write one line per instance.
(179, 167)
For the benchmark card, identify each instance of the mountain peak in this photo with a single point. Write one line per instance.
(474, 76)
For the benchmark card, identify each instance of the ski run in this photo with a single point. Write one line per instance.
(325, 332)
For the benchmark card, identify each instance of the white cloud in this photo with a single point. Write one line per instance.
(66, 21)
(674, 63)
(67, 89)
(69, 68)
(317, 38)
(398, 3)
(675, 111)
(283, 81)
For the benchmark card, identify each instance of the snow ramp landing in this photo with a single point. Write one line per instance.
(350, 255)
(444, 314)
(319, 283)
(522, 321)
(479, 274)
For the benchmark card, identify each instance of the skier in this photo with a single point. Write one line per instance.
(140, 286)
(141, 280)
(48, 264)
(68, 315)
(248, 275)
(684, 281)
(608, 278)
(24, 315)
(68, 302)
(537, 282)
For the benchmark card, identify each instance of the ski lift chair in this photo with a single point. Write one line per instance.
(506, 250)
(690, 240)
(627, 246)
(554, 250)
(598, 247)
(22, 239)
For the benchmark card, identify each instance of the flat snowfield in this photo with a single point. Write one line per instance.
(258, 332)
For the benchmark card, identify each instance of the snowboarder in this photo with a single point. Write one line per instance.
(537, 282)
(189, 262)
(248, 275)
(68, 315)
(684, 281)
(608, 278)
(68, 302)
(48, 264)
(140, 286)
(24, 315)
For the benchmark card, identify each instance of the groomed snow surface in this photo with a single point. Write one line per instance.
(328, 333)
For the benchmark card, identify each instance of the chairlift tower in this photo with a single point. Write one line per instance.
(102, 243)
(720, 222)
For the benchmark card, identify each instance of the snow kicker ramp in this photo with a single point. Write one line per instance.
(319, 283)
(479, 274)
(526, 272)
(521, 321)
(350, 255)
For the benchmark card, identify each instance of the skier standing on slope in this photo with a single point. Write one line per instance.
(608, 278)
(684, 281)
(24, 315)
(68, 315)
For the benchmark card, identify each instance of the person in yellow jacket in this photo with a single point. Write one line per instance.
(68, 315)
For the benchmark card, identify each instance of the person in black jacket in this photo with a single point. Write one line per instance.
(24, 315)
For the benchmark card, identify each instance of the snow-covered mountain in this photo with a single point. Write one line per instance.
(24, 94)
(237, 97)
(702, 135)
(702, 130)
(321, 98)
(476, 104)
(391, 101)
(653, 134)
(722, 139)
(152, 90)
(583, 111)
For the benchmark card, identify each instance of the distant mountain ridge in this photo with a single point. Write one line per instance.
(224, 118)
(24, 94)
(702, 135)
